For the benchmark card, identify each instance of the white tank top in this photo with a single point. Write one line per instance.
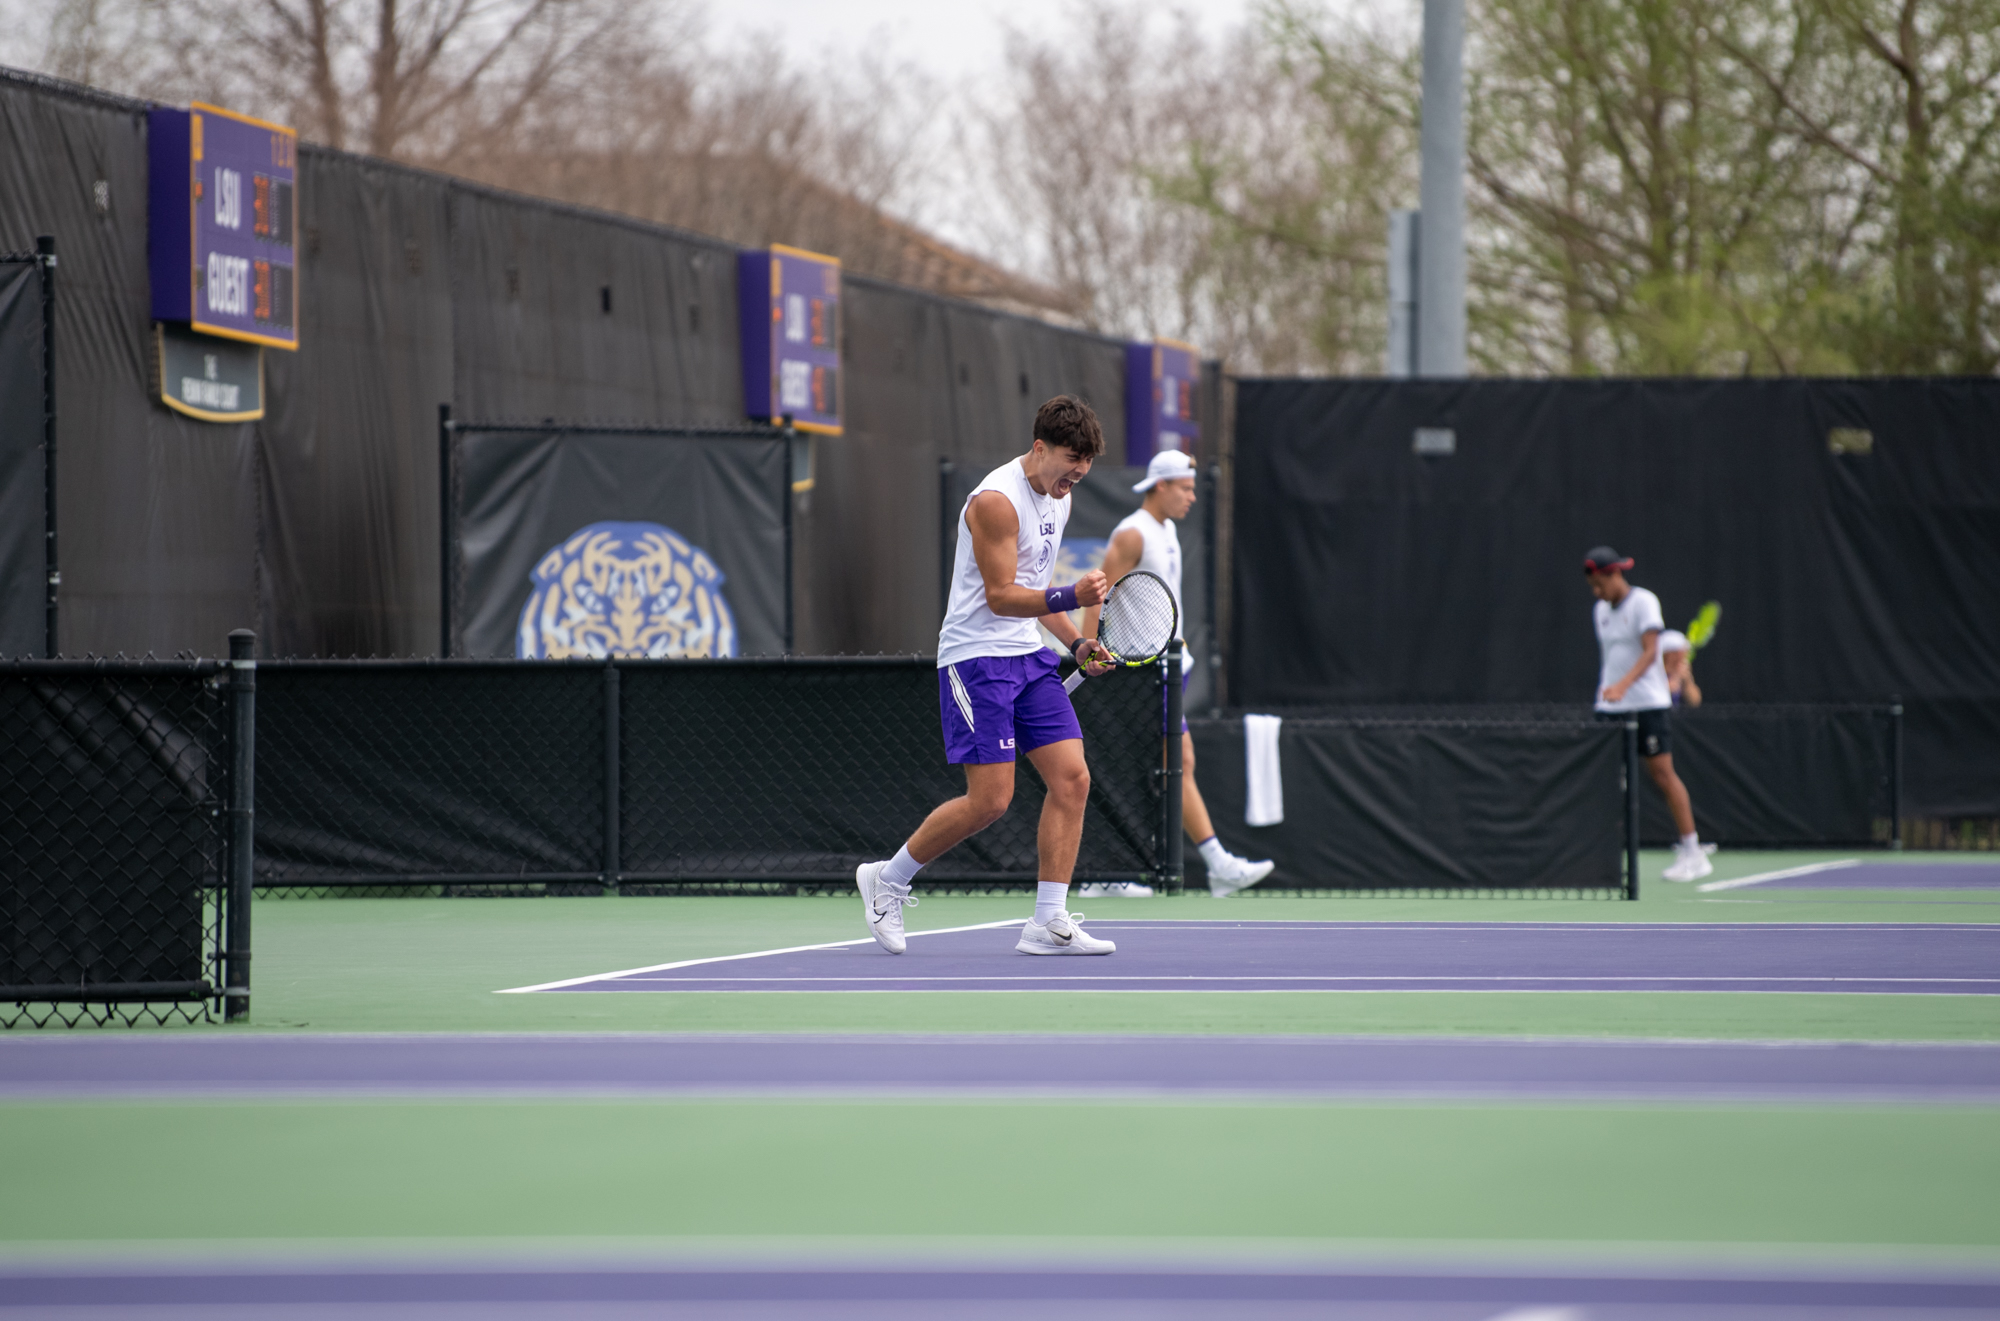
(970, 626)
(1160, 553)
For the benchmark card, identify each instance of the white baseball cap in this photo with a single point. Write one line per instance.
(1165, 467)
(1674, 640)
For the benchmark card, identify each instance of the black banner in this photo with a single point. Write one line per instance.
(1445, 804)
(1848, 528)
(632, 544)
(22, 614)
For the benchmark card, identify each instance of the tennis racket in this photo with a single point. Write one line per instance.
(1703, 628)
(1139, 620)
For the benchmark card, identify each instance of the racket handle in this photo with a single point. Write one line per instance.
(1074, 682)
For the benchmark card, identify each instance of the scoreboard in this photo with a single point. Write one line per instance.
(222, 224)
(789, 308)
(1160, 383)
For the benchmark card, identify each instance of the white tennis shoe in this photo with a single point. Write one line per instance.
(883, 906)
(1236, 874)
(1689, 864)
(1114, 890)
(1063, 935)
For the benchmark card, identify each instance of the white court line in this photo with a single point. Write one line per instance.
(1276, 977)
(1764, 876)
(754, 954)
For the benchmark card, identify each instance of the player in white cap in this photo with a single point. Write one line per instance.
(1147, 539)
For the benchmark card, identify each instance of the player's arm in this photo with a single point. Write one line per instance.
(1120, 558)
(1649, 650)
(1690, 690)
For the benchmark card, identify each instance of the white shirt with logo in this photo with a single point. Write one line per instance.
(1160, 553)
(970, 627)
(1621, 636)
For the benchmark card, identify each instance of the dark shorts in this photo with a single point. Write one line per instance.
(994, 707)
(1656, 729)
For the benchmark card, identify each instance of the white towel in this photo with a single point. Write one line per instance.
(1264, 805)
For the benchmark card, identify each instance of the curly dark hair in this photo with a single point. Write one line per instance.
(1068, 423)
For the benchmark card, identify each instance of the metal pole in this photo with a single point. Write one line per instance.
(1404, 281)
(1209, 524)
(613, 749)
(1441, 194)
(242, 822)
(1631, 808)
(447, 533)
(45, 252)
(1173, 853)
(947, 547)
(1896, 772)
(785, 486)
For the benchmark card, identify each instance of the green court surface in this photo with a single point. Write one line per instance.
(1685, 1174)
(433, 965)
(236, 1173)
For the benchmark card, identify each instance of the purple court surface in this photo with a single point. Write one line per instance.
(1494, 1068)
(1224, 955)
(1856, 874)
(904, 1293)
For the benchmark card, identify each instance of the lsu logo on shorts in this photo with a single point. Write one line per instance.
(627, 590)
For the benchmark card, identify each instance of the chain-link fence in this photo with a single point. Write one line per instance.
(538, 777)
(1446, 803)
(114, 839)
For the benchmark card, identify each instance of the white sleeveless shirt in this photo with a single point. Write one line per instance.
(970, 626)
(1160, 553)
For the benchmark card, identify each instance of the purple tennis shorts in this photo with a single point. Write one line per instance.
(996, 706)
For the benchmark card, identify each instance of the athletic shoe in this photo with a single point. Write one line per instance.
(1114, 890)
(1063, 935)
(1236, 874)
(1689, 864)
(1709, 848)
(883, 906)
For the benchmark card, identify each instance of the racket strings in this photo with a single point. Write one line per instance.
(1139, 618)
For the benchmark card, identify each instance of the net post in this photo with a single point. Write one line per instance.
(1173, 854)
(1631, 729)
(1896, 772)
(242, 823)
(447, 532)
(613, 738)
(45, 256)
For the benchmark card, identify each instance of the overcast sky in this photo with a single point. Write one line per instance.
(952, 40)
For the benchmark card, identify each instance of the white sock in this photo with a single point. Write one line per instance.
(1690, 840)
(1049, 899)
(1211, 851)
(902, 869)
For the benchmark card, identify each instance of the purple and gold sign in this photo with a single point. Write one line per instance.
(222, 229)
(789, 301)
(1160, 383)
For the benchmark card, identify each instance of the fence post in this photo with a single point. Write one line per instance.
(447, 533)
(785, 485)
(1631, 725)
(242, 822)
(1896, 772)
(1173, 854)
(45, 253)
(947, 535)
(613, 738)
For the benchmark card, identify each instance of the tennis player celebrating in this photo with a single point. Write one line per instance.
(998, 694)
(1632, 681)
(1148, 539)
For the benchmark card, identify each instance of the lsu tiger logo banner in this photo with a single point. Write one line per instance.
(627, 590)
